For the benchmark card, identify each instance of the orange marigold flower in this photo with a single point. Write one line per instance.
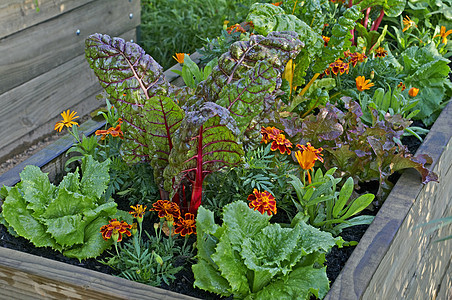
(413, 92)
(186, 226)
(277, 3)
(180, 57)
(326, 39)
(166, 208)
(407, 23)
(235, 28)
(281, 143)
(401, 86)
(443, 34)
(356, 57)
(339, 67)
(68, 120)
(115, 229)
(363, 84)
(380, 52)
(264, 202)
(269, 134)
(138, 211)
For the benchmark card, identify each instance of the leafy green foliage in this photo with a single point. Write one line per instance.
(327, 208)
(66, 217)
(244, 256)
(362, 152)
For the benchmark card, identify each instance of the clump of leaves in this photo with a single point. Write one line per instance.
(361, 151)
(243, 257)
(66, 217)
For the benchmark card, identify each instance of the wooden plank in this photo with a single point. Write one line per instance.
(38, 49)
(25, 276)
(414, 265)
(31, 110)
(360, 268)
(445, 288)
(17, 15)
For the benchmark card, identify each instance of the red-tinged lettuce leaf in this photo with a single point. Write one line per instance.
(324, 126)
(205, 142)
(276, 49)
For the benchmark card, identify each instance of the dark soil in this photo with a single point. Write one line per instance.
(335, 260)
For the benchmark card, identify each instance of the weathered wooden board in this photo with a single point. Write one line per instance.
(31, 110)
(445, 289)
(39, 49)
(25, 276)
(386, 261)
(16, 15)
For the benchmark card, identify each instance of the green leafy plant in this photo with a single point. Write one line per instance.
(243, 257)
(325, 207)
(66, 217)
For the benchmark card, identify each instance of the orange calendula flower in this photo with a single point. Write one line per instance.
(68, 120)
(307, 156)
(407, 23)
(186, 226)
(277, 3)
(443, 34)
(363, 84)
(138, 211)
(115, 230)
(401, 86)
(264, 202)
(380, 52)
(413, 92)
(166, 208)
(180, 57)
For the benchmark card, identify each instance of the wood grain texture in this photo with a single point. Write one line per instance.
(383, 253)
(31, 110)
(445, 288)
(38, 49)
(25, 276)
(17, 15)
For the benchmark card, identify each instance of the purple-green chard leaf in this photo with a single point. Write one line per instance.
(137, 87)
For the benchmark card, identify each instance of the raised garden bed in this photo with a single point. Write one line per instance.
(392, 258)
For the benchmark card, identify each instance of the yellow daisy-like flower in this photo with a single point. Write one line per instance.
(179, 57)
(363, 84)
(67, 121)
(443, 34)
(407, 23)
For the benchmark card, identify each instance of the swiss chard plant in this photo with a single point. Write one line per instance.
(243, 257)
(186, 134)
(66, 217)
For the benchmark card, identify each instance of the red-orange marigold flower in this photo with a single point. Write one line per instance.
(115, 229)
(401, 86)
(339, 67)
(186, 226)
(235, 28)
(269, 134)
(138, 211)
(166, 207)
(281, 143)
(113, 131)
(264, 202)
(380, 52)
(326, 39)
(277, 3)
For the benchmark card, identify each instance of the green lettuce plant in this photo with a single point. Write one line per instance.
(243, 257)
(66, 217)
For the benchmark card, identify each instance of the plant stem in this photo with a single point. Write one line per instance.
(303, 91)
(196, 196)
(377, 22)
